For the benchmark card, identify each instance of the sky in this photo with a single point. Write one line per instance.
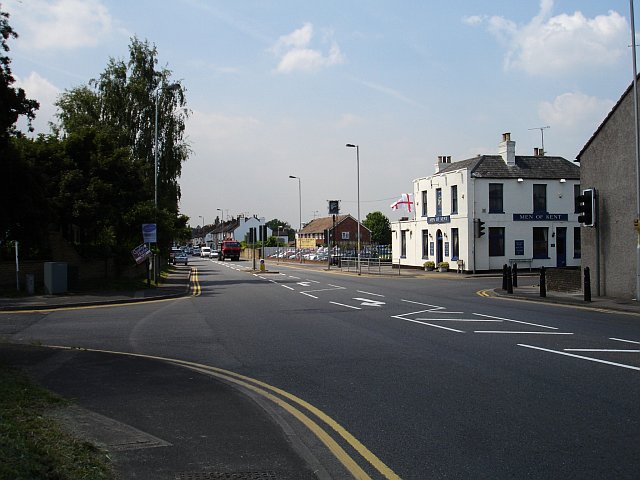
(277, 88)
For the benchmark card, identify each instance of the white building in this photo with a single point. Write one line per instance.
(524, 206)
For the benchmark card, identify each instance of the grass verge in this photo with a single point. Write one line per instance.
(33, 445)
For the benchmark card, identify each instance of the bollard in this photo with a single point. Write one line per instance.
(509, 282)
(587, 284)
(515, 275)
(504, 277)
(543, 283)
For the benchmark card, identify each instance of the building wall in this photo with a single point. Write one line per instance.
(608, 164)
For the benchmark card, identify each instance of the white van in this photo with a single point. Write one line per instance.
(205, 251)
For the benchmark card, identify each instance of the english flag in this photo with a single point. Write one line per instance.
(403, 202)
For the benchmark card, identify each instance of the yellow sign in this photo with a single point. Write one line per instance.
(307, 243)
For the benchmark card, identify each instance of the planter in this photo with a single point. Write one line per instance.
(429, 269)
(443, 269)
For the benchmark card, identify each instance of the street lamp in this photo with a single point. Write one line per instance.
(221, 213)
(200, 216)
(351, 145)
(300, 208)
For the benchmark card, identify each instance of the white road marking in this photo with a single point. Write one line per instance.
(597, 360)
(308, 295)
(348, 306)
(607, 350)
(286, 286)
(516, 321)
(433, 309)
(476, 320)
(369, 293)
(623, 340)
(522, 333)
(367, 302)
(304, 284)
(326, 289)
(431, 325)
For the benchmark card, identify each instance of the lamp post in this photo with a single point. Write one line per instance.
(357, 147)
(200, 216)
(300, 209)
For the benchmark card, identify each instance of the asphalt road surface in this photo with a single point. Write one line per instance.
(433, 379)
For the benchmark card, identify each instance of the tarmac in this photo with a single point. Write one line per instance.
(202, 427)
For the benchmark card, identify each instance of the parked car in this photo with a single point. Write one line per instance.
(196, 251)
(214, 253)
(205, 251)
(181, 257)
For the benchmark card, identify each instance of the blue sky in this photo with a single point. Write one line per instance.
(277, 88)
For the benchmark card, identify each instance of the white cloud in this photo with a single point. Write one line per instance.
(550, 45)
(40, 89)
(574, 109)
(62, 24)
(296, 55)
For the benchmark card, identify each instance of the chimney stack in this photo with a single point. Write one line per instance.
(442, 160)
(507, 149)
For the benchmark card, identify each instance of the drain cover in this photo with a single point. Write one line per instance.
(226, 476)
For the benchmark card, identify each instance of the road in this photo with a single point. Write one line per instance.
(433, 379)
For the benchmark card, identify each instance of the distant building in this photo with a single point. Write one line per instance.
(526, 205)
(314, 233)
(608, 164)
(237, 229)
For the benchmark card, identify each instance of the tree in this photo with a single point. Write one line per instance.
(13, 101)
(278, 227)
(22, 214)
(380, 228)
(108, 127)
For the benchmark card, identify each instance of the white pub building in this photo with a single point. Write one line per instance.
(484, 212)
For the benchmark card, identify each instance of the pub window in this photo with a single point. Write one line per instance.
(540, 242)
(424, 203)
(454, 199)
(495, 198)
(438, 202)
(539, 198)
(455, 244)
(496, 241)
(425, 244)
(403, 243)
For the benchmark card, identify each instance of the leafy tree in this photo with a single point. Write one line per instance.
(13, 101)
(22, 214)
(380, 227)
(109, 131)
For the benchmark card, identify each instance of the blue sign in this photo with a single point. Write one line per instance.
(149, 233)
(446, 249)
(540, 217)
(439, 219)
(431, 249)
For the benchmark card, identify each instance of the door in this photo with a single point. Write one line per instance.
(439, 247)
(561, 246)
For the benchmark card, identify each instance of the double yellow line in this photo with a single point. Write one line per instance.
(300, 409)
(196, 290)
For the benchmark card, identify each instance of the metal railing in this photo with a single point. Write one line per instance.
(367, 265)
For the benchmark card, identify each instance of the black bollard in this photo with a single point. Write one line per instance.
(515, 275)
(587, 284)
(543, 283)
(504, 277)
(509, 281)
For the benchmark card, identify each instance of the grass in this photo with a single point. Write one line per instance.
(32, 445)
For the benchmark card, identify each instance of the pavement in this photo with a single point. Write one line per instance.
(202, 426)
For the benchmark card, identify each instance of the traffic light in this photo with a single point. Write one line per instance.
(479, 228)
(587, 207)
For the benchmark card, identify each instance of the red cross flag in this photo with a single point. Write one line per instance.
(404, 202)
